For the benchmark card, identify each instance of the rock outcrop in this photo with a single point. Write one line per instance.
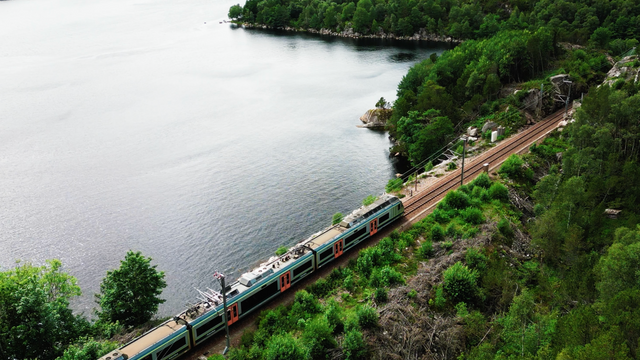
(376, 118)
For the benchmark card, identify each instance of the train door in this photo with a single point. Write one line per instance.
(285, 281)
(373, 226)
(338, 248)
(232, 313)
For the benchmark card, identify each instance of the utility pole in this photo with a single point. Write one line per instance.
(220, 278)
(464, 150)
(566, 105)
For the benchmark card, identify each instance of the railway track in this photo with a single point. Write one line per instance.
(426, 200)
(415, 209)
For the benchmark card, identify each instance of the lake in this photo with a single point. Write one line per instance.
(148, 125)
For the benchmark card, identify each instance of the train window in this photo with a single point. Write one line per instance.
(302, 268)
(325, 254)
(384, 218)
(260, 296)
(171, 349)
(208, 325)
(355, 235)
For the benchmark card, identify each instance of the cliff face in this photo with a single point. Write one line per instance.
(376, 118)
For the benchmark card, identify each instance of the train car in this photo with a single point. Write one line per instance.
(273, 277)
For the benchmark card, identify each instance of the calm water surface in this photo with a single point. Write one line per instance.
(136, 125)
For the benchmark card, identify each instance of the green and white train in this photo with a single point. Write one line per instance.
(273, 277)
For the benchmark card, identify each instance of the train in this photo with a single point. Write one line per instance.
(205, 318)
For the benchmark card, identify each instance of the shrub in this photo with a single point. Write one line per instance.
(412, 294)
(349, 283)
(381, 295)
(333, 313)
(284, 347)
(505, 228)
(353, 345)
(476, 259)
(457, 200)
(385, 276)
(472, 216)
(426, 249)
(304, 305)
(452, 230)
(367, 317)
(447, 245)
(471, 233)
(514, 169)
(88, 349)
(369, 200)
(337, 218)
(460, 283)
(428, 167)
(318, 336)
(393, 185)
(439, 301)
(437, 234)
(281, 250)
(451, 166)
(440, 216)
(499, 192)
(320, 288)
(482, 181)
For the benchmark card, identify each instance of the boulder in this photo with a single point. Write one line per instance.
(489, 125)
(376, 118)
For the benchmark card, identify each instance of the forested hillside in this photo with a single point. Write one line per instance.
(524, 266)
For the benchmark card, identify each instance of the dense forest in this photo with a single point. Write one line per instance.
(523, 266)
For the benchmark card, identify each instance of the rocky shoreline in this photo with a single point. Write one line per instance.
(421, 35)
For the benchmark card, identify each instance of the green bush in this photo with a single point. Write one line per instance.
(337, 218)
(281, 250)
(354, 346)
(393, 185)
(505, 228)
(482, 181)
(439, 301)
(447, 245)
(452, 231)
(437, 233)
(318, 337)
(457, 200)
(428, 167)
(333, 313)
(304, 305)
(88, 349)
(499, 192)
(426, 249)
(320, 288)
(381, 295)
(369, 200)
(440, 216)
(452, 166)
(472, 216)
(476, 259)
(385, 276)
(349, 283)
(514, 169)
(367, 317)
(460, 283)
(284, 347)
(412, 294)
